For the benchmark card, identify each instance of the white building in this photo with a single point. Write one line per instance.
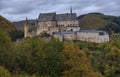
(64, 35)
(97, 36)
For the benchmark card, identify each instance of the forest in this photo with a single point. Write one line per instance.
(36, 57)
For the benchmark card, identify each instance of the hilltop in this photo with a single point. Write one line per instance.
(6, 24)
(93, 21)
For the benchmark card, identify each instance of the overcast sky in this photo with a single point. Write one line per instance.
(16, 10)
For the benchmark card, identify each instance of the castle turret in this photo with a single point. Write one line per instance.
(26, 28)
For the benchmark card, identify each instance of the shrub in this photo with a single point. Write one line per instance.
(4, 72)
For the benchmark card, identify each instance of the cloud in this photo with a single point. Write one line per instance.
(16, 10)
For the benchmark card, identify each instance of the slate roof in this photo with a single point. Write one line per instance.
(89, 31)
(57, 17)
(62, 33)
(46, 17)
(93, 31)
(66, 17)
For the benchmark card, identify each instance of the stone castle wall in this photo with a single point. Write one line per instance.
(54, 26)
(26, 30)
(93, 37)
(83, 36)
(68, 23)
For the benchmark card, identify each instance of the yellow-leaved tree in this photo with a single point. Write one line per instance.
(76, 63)
(4, 72)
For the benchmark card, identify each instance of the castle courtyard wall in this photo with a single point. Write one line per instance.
(68, 23)
(93, 37)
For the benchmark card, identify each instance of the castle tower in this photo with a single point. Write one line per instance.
(26, 28)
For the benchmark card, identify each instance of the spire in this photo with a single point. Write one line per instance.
(36, 22)
(26, 20)
(71, 10)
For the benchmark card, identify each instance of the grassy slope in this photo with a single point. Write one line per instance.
(100, 21)
(6, 25)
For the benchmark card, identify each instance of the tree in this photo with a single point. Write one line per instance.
(4, 39)
(37, 56)
(49, 63)
(112, 64)
(16, 34)
(4, 72)
(76, 63)
(5, 46)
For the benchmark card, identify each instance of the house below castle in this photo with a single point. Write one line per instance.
(63, 26)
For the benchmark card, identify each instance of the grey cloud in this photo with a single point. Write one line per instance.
(18, 9)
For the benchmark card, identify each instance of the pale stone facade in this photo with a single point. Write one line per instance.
(97, 36)
(26, 30)
(52, 22)
(73, 28)
(64, 35)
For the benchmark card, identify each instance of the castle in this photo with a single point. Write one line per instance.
(52, 22)
(63, 26)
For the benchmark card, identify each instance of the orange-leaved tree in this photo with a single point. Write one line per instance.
(76, 63)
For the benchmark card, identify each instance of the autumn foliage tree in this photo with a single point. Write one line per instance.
(4, 72)
(76, 63)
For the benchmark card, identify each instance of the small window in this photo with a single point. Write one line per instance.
(71, 29)
(101, 33)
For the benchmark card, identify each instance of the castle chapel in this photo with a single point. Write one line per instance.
(52, 22)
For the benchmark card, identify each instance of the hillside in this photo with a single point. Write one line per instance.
(20, 24)
(100, 21)
(6, 24)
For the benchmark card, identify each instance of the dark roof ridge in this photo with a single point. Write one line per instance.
(65, 13)
(48, 13)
